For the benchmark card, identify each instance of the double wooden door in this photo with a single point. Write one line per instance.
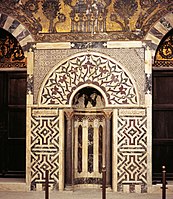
(12, 123)
(162, 123)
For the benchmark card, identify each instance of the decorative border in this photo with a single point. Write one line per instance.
(159, 30)
(17, 30)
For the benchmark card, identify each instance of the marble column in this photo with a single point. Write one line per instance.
(69, 149)
(108, 144)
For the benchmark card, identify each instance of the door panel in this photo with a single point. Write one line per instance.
(3, 122)
(88, 133)
(13, 123)
(162, 123)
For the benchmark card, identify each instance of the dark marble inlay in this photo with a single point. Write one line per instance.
(166, 23)
(100, 148)
(30, 82)
(26, 47)
(13, 26)
(80, 149)
(119, 187)
(148, 84)
(83, 45)
(144, 188)
(88, 181)
(22, 35)
(156, 33)
(132, 188)
(90, 149)
(3, 19)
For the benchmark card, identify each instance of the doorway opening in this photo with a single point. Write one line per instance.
(163, 110)
(13, 107)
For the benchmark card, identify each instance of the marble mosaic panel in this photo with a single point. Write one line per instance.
(44, 147)
(90, 68)
(132, 151)
(45, 60)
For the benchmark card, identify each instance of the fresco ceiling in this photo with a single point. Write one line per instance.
(125, 19)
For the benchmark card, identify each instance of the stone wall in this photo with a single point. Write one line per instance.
(121, 75)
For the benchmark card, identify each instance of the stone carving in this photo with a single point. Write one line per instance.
(84, 126)
(132, 152)
(44, 148)
(93, 69)
(119, 36)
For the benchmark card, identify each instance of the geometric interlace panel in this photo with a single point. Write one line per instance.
(44, 149)
(132, 150)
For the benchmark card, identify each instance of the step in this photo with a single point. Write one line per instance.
(12, 184)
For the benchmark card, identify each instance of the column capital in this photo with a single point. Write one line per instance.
(69, 113)
(107, 113)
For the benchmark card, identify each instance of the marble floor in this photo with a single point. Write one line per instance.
(79, 194)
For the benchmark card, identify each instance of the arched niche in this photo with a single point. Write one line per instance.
(88, 97)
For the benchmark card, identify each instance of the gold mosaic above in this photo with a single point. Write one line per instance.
(11, 53)
(134, 18)
(164, 53)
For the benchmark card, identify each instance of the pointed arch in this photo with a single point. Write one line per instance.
(88, 69)
(17, 30)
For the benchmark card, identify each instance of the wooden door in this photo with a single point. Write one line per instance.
(12, 123)
(162, 123)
